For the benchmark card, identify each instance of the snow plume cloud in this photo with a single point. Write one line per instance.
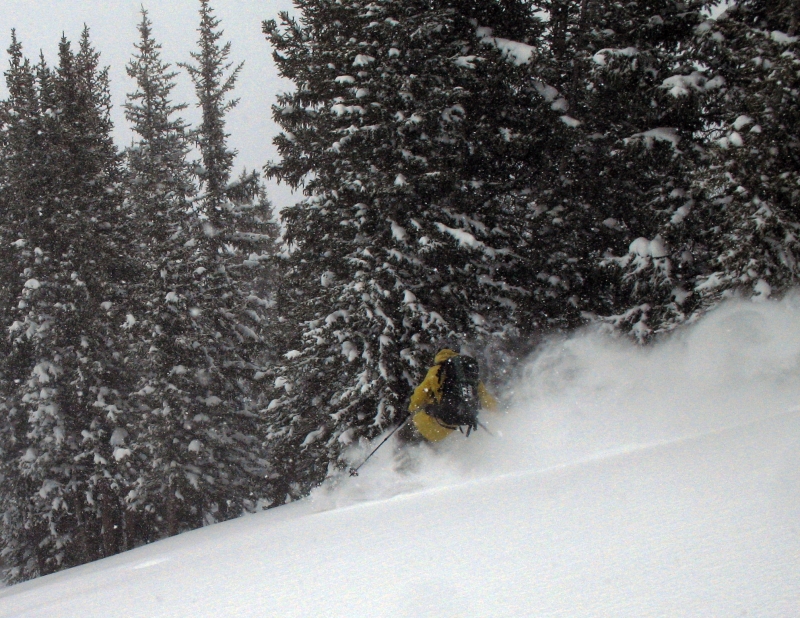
(588, 397)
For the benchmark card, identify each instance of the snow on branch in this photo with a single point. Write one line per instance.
(600, 57)
(466, 62)
(682, 85)
(516, 52)
(465, 239)
(661, 134)
(782, 38)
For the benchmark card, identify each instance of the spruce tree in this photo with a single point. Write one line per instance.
(159, 189)
(21, 122)
(201, 323)
(732, 227)
(213, 81)
(749, 188)
(642, 101)
(70, 472)
(398, 131)
(625, 171)
(20, 155)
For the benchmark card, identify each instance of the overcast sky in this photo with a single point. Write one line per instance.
(113, 25)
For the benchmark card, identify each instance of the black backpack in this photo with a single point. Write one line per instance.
(459, 377)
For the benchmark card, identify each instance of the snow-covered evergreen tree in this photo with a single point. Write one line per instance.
(625, 172)
(201, 323)
(399, 132)
(732, 224)
(750, 185)
(213, 81)
(159, 190)
(637, 88)
(157, 163)
(20, 123)
(72, 367)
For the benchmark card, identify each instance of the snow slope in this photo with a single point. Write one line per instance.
(620, 482)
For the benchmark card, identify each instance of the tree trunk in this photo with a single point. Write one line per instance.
(577, 57)
(131, 529)
(84, 534)
(109, 516)
(172, 511)
(559, 20)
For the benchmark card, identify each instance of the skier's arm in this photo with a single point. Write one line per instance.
(488, 402)
(425, 394)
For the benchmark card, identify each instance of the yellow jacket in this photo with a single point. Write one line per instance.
(429, 392)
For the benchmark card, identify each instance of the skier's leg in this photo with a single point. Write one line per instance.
(408, 434)
(408, 439)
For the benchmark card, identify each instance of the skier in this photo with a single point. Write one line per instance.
(449, 398)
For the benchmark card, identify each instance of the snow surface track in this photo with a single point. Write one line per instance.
(620, 482)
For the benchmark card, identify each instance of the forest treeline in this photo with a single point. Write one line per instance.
(476, 173)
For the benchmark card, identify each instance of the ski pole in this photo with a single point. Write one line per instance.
(485, 428)
(354, 471)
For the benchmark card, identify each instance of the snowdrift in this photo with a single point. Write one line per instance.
(619, 482)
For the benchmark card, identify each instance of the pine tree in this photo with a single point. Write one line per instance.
(620, 179)
(201, 322)
(213, 80)
(399, 132)
(750, 186)
(656, 267)
(159, 189)
(69, 475)
(157, 164)
(21, 123)
(736, 231)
